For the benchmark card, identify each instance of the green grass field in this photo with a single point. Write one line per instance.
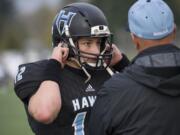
(13, 119)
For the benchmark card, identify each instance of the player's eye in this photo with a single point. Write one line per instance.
(87, 44)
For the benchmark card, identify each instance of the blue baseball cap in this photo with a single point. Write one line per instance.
(150, 19)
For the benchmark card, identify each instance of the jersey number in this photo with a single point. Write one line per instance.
(78, 124)
(19, 75)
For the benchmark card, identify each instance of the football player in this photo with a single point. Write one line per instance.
(59, 93)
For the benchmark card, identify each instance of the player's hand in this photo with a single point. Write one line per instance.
(60, 53)
(116, 56)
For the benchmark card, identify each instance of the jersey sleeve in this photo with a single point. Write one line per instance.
(28, 79)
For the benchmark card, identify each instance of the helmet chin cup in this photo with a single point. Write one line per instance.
(102, 61)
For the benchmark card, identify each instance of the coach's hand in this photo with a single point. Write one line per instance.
(60, 53)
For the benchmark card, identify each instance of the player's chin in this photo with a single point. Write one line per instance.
(90, 60)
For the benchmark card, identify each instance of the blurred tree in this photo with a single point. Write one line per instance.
(6, 10)
(175, 4)
(12, 30)
(117, 11)
(12, 35)
(39, 24)
(65, 2)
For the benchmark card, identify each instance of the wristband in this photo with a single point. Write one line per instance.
(122, 63)
(52, 71)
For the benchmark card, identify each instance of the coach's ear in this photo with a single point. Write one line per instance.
(133, 37)
(136, 41)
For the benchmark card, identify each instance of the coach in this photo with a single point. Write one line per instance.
(145, 99)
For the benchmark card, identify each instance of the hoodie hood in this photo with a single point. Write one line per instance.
(157, 68)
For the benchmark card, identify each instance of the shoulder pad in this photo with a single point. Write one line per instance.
(30, 72)
(29, 78)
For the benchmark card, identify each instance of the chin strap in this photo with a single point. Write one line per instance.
(83, 68)
(105, 65)
(110, 71)
(87, 74)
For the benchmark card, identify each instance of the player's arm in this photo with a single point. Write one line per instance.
(45, 104)
(30, 88)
